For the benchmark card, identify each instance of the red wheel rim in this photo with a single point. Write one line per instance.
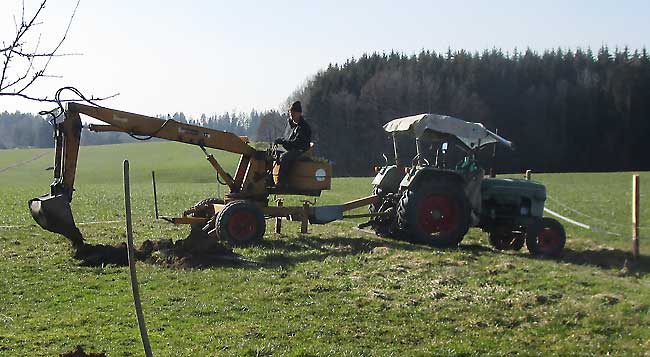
(437, 213)
(242, 226)
(548, 240)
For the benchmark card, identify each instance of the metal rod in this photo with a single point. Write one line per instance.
(398, 161)
(131, 258)
(493, 172)
(367, 215)
(278, 220)
(155, 195)
(635, 216)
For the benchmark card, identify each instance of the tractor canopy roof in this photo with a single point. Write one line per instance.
(436, 127)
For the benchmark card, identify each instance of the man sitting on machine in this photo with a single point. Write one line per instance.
(296, 145)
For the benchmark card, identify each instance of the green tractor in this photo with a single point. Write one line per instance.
(436, 198)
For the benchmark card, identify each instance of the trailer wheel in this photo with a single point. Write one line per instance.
(545, 237)
(241, 223)
(196, 230)
(435, 213)
(503, 238)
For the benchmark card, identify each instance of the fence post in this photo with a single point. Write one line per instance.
(155, 195)
(635, 216)
(131, 257)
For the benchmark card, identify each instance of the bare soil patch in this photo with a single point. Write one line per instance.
(79, 352)
(191, 252)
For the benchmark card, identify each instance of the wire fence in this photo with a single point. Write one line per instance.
(598, 227)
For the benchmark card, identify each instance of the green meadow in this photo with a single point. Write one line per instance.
(335, 291)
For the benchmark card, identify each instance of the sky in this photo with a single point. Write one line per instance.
(211, 56)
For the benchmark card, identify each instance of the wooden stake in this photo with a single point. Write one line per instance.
(635, 216)
(278, 220)
(155, 195)
(131, 257)
(528, 174)
(305, 218)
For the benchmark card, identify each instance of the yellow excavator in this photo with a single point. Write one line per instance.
(238, 218)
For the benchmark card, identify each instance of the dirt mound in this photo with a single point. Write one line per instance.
(185, 253)
(79, 352)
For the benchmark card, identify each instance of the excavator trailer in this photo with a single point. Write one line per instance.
(238, 218)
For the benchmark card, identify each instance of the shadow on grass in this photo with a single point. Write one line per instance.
(285, 252)
(316, 248)
(610, 259)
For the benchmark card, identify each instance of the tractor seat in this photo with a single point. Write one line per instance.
(306, 155)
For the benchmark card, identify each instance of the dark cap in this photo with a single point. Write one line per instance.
(296, 107)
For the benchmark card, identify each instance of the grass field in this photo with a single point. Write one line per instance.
(335, 291)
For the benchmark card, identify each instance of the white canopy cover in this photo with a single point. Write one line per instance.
(430, 126)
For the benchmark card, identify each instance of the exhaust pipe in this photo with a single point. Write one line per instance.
(53, 213)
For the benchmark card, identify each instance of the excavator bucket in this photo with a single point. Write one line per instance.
(53, 213)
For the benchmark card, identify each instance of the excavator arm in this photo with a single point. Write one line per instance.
(53, 212)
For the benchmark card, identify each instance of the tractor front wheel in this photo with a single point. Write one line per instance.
(503, 238)
(545, 237)
(436, 214)
(241, 223)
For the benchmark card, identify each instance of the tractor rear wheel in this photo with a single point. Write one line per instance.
(241, 223)
(435, 213)
(545, 237)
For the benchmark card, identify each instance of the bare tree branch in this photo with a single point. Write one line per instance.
(48, 100)
(23, 67)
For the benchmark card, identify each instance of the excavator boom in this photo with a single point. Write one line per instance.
(53, 212)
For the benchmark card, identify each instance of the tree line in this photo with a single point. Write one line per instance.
(565, 110)
(23, 130)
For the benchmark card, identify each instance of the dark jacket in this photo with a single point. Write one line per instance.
(300, 137)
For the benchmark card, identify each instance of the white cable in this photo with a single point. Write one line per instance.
(566, 219)
(592, 228)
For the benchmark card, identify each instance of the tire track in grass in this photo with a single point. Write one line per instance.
(79, 224)
(21, 163)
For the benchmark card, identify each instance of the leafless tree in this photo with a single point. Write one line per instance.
(23, 61)
(272, 126)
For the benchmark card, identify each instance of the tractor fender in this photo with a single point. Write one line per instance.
(416, 175)
(388, 178)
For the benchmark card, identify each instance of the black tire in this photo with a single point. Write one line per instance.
(197, 229)
(545, 237)
(503, 238)
(241, 223)
(383, 227)
(434, 213)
